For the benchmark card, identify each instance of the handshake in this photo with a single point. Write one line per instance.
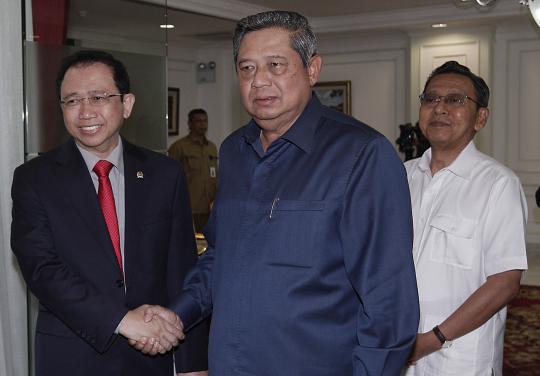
(152, 329)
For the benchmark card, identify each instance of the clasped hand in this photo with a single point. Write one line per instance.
(152, 329)
(425, 344)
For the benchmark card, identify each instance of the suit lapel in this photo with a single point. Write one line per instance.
(137, 182)
(73, 176)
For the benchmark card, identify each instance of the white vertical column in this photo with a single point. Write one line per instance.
(13, 316)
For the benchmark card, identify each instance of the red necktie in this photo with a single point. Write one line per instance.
(106, 200)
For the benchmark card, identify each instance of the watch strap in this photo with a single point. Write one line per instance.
(439, 335)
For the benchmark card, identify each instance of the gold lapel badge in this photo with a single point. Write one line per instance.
(140, 175)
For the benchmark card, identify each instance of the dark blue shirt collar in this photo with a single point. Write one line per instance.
(301, 133)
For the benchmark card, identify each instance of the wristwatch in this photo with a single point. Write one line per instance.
(444, 342)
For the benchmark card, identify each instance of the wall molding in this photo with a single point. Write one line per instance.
(414, 17)
(180, 65)
(398, 59)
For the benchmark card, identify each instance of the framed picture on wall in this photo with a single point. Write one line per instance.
(173, 107)
(335, 94)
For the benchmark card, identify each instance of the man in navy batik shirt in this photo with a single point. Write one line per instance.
(309, 268)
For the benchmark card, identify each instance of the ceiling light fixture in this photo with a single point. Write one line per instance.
(534, 6)
(166, 26)
(439, 26)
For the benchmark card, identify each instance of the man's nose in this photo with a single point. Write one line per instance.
(261, 78)
(441, 107)
(86, 110)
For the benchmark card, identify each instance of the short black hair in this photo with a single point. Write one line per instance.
(480, 87)
(194, 112)
(89, 57)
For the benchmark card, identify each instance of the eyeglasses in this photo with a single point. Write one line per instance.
(452, 100)
(100, 99)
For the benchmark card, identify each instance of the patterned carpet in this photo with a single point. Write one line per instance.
(522, 336)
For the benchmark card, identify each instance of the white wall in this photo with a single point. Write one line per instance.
(220, 99)
(181, 74)
(378, 74)
(516, 110)
(471, 47)
(377, 71)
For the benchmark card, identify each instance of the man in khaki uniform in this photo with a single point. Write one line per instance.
(200, 160)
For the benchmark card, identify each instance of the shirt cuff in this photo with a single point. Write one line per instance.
(116, 331)
(188, 310)
(505, 264)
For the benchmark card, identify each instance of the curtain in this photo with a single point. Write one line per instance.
(13, 311)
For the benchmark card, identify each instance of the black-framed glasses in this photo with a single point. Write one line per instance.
(99, 99)
(452, 100)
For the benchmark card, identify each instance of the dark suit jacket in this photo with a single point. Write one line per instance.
(66, 256)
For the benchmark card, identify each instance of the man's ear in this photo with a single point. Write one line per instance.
(314, 69)
(128, 101)
(481, 118)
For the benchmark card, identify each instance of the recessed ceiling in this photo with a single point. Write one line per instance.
(327, 8)
(140, 19)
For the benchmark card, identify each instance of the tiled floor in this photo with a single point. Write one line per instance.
(532, 276)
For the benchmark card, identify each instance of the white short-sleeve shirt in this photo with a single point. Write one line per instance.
(469, 223)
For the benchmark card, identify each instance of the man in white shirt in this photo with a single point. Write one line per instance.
(469, 216)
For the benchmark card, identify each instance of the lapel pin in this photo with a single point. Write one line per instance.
(140, 175)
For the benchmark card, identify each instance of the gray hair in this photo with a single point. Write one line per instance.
(303, 40)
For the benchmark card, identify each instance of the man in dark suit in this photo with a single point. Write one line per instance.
(100, 227)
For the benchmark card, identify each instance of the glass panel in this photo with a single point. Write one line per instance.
(44, 123)
(48, 40)
(147, 125)
(45, 128)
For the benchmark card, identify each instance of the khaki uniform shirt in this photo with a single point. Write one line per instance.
(200, 161)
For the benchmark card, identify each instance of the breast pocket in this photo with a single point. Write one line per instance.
(452, 240)
(293, 232)
(193, 162)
